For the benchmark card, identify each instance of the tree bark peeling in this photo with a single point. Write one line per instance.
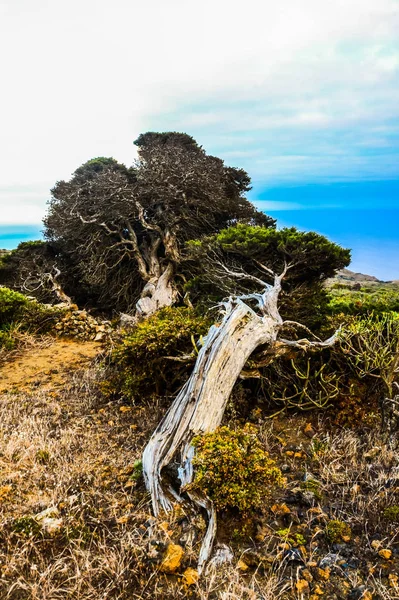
(157, 293)
(200, 405)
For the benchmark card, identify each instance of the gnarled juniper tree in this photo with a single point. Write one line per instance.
(125, 228)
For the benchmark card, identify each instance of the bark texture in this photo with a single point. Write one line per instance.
(158, 292)
(200, 405)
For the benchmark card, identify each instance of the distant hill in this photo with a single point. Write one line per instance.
(345, 275)
(351, 279)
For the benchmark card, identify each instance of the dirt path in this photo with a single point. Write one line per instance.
(46, 367)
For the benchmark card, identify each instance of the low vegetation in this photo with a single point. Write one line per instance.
(233, 470)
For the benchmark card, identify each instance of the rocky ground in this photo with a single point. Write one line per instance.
(76, 520)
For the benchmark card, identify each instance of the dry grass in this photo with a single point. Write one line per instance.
(75, 453)
(70, 450)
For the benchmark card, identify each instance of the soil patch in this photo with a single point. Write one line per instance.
(46, 367)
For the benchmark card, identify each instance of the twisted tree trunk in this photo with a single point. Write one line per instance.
(200, 405)
(158, 292)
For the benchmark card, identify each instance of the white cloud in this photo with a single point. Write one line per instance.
(268, 79)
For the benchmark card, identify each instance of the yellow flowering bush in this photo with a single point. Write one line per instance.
(233, 470)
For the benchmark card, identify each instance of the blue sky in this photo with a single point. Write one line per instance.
(303, 94)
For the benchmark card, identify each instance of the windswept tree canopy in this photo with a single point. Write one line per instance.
(126, 227)
(240, 258)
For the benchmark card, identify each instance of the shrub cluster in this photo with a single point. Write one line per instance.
(233, 470)
(11, 305)
(377, 299)
(18, 313)
(156, 354)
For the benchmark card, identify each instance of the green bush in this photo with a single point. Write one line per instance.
(142, 362)
(391, 513)
(377, 299)
(337, 531)
(12, 305)
(233, 470)
(19, 314)
(27, 527)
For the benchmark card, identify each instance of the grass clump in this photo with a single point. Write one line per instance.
(233, 470)
(27, 527)
(391, 513)
(338, 531)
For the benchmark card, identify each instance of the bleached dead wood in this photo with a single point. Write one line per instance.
(200, 405)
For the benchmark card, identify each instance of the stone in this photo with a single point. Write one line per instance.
(190, 576)
(302, 586)
(49, 521)
(172, 559)
(50, 511)
(385, 553)
(222, 554)
(242, 566)
(329, 560)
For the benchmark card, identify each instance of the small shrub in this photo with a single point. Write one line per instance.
(11, 305)
(391, 513)
(311, 485)
(43, 456)
(233, 470)
(27, 527)
(338, 531)
(137, 470)
(142, 362)
(294, 539)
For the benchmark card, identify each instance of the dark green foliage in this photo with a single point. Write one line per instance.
(313, 255)
(233, 470)
(20, 314)
(142, 362)
(244, 248)
(121, 227)
(31, 269)
(90, 168)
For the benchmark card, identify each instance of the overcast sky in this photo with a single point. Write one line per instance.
(296, 91)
